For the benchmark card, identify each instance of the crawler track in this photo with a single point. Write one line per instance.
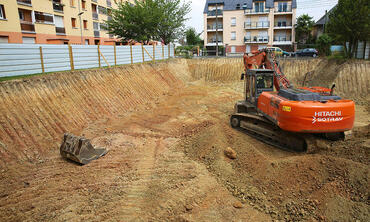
(261, 129)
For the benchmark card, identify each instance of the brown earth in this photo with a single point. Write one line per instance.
(166, 128)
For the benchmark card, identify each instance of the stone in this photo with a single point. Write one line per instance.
(230, 153)
(237, 204)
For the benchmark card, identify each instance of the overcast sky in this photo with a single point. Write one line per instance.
(314, 8)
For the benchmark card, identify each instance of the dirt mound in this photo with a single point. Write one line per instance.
(287, 186)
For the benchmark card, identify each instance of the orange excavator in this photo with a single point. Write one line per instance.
(284, 116)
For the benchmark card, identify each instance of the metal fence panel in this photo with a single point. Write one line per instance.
(24, 59)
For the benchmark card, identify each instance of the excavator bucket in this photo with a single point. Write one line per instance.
(80, 149)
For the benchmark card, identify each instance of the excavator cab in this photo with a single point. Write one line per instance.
(258, 81)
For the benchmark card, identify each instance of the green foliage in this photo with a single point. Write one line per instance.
(192, 38)
(161, 20)
(349, 23)
(303, 29)
(323, 44)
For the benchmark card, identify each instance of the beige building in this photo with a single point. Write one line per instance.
(56, 21)
(247, 25)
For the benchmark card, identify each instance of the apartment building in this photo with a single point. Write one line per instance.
(246, 25)
(56, 21)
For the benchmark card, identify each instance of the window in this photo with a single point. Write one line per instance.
(2, 12)
(85, 24)
(103, 27)
(96, 26)
(259, 6)
(283, 6)
(102, 10)
(83, 4)
(233, 35)
(21, 15)
(4, 39)
(233, 49)
(41, 17)
(87, 42)
(233, 21)
(73, 22)
(72, 3)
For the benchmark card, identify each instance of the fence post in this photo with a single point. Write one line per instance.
(198, 50)
(153, 53)
(99, 55)
(173, 50)
(162, 52)
(71, 57)
(142, 50)
(42, 60)
(169, 50)
(132, 58)
(115, 55)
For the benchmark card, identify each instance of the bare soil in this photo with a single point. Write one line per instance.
(166, 162)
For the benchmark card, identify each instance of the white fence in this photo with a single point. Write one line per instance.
(24, 59)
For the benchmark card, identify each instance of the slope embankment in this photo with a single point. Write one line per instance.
(35, 112)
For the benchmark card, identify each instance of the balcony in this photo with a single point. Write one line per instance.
(109, 3)
(213, 13)
(282, 40)
(27, 27)
(256, 11)
(257, 25)
(58, 6)
(96, 34)
(283, 25)
(212, 28)
(95, 16)
(283, 9)
(25, 2)
(212, 42)
(256, 39)
(60, 30)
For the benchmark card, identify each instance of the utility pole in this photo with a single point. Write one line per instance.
(216, 30)
(79, 15)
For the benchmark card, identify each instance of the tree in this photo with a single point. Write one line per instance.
(192, 38)
(323, 44)
(303, 28)
(172, 17)
(349, 23)
(161, 20)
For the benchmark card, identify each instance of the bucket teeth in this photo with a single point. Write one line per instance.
(79, 149)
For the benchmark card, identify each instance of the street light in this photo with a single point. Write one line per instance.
(79, 15)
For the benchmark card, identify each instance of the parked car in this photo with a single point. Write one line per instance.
(278, 51)
(307, 52)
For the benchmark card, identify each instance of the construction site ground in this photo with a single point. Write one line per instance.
(166, 162)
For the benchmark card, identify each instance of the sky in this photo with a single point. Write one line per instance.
(314, 8)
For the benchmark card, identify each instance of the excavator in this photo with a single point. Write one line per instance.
(277, 113)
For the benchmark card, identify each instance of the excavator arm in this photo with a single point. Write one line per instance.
(263, 59)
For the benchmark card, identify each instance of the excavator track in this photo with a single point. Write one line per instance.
(262, 129)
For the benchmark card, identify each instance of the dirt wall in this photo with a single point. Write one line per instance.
(35, 112)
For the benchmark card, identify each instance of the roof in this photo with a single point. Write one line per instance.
(325, 18)
(230, 5)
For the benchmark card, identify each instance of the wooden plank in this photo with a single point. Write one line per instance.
(147, 53)
(103, 57)
(162, 51)
(42, 60)
(99, 56)
(71, 57)
(115, 55)
(142, 51)
(153, 53)
(132, 58)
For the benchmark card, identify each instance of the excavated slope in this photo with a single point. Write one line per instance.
(35, 112)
